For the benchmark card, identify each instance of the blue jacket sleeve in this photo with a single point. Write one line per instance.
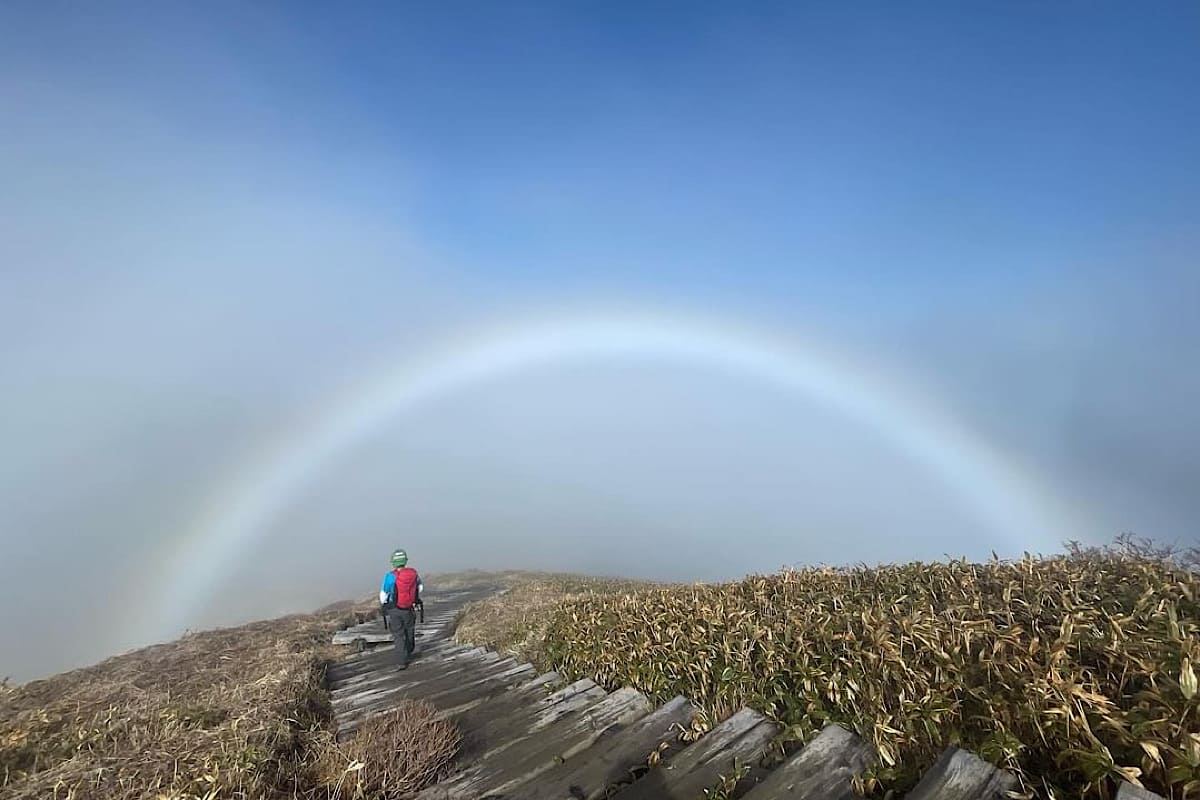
(385, 590)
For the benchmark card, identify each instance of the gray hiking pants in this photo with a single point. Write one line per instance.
(402, 622)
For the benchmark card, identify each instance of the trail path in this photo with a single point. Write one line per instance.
(530, 736)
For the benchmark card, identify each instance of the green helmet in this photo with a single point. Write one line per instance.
(399, 558)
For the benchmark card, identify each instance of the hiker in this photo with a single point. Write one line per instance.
(399, 594)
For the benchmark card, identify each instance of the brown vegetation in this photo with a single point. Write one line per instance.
(240, 712)
(392, 756)
(514, 623)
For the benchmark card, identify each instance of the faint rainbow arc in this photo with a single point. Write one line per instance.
(991, 481)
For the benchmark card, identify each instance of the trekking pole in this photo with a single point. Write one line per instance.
(421, 611)
(383, 614)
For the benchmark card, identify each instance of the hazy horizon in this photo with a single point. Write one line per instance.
(674, 291)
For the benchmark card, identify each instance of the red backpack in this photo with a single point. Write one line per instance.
(406, 587)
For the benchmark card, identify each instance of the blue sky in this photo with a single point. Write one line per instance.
(214, 218)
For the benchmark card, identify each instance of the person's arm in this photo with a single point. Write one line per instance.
(420, 604)
(383, 600)
(385, 591)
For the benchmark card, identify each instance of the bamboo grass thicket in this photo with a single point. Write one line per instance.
(1075, 672)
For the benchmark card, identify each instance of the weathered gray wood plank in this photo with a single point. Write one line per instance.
(516, 697)
(610, 760)
(375, 633)
(349, 719)
(494, 734)
(350, 662)
(421, 684)
(524, 699)
(367, 666)
(504, 674)
(822, 770)
(373, 630)
(741, 739)
(959, 775)
(422, 668)
(526, 758)
(389, 677)
(1128, 791)
(351, 636)
(489, 731)
(456, 695)
(481, 686)
(431, 644)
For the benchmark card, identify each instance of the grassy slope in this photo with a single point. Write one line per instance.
(227, 710)
(1079, 669)
(1074, 672)
(515, 622)
(238, 712)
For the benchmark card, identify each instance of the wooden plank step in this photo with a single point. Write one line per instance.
(441, 609)
(423, 643)
(422, 667)
(741, 739)
(498, 675)
(484, 686)
(351, 637)
(539, 692)
(959, 775)
(347, 724)
(457, 696)
(374, 631)
(367, 625)
(509, 705)
(530, 756)
(424, 660)
(365, 663)
(395, 689)
(1128, 791)
(427, 681)
(497, 725)
(496, 733)
(516, 697)
(419, 672)
(822, 770)
(608, 762)
(427, 642)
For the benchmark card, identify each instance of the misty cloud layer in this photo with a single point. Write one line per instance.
(208, 237)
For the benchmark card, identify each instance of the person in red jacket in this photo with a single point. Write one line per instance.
(399, 595)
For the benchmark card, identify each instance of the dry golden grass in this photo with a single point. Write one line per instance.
(391, 756)
(1074, 672)
(235, 713)
(514, 623)
(473, 578)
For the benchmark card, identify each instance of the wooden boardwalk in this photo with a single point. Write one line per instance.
(535, 737)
